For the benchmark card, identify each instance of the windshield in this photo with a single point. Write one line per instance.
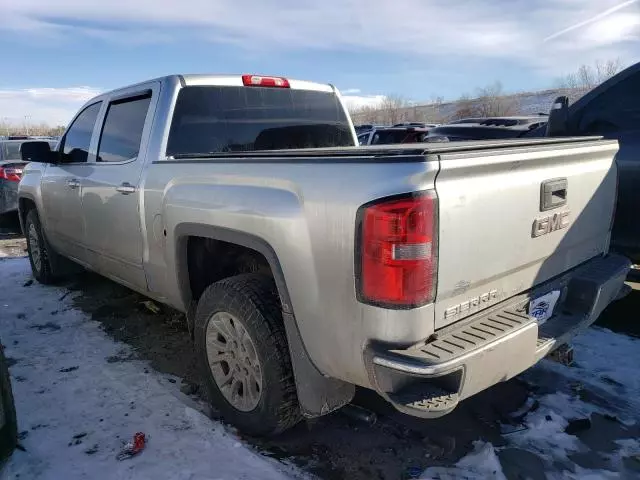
(243, 119)
(11, 151)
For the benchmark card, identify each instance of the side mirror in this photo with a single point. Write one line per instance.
(37, 151)
(558, 122)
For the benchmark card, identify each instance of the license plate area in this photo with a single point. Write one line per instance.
(541, 308)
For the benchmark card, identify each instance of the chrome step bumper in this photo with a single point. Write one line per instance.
(493, 345)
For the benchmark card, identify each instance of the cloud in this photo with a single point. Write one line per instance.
(600, 16)
(354, 102)
(526, 31)
(54, 106)
(545, 37)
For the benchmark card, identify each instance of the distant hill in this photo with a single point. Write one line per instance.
(528, 103)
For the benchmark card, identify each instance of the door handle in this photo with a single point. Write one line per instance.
(126, 188)
(73, 183)
(553, 194)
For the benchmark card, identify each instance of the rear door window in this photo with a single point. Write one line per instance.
(214, 119)
(122, 130)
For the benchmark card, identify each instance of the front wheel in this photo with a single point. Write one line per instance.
(242, 348)
(39, 254)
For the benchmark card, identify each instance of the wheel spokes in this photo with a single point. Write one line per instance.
(234, 361)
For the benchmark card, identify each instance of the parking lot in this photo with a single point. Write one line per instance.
(552, 422)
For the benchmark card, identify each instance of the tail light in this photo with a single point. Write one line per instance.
(260, 81)
(13, 174)
(398, 256)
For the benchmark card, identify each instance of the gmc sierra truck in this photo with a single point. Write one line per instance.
(307, 265)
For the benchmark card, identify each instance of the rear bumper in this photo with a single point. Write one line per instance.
(429, 379)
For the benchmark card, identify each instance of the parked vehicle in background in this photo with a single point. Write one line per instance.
(512, 121)
(306, 271)
(11, 165)
(416, 124)
(392, 135)
(487, 128)
(612, 110)
(366, 128)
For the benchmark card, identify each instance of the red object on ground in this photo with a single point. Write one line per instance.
(133, 448)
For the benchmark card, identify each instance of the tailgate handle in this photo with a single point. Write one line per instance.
(553, 194)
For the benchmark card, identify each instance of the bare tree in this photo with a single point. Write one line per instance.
(7, 128)
(587, 77)
(492, 102)
(392, 108)
(436, 115)
(464, 108)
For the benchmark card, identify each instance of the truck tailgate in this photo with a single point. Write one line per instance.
(512, 218)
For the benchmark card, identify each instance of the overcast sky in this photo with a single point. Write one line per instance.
(58, 53)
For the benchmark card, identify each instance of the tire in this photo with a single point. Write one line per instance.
(251, 301)
(37, 247)
(8, 428)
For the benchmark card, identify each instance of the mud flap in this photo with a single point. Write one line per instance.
(317, 394)
(60, 266)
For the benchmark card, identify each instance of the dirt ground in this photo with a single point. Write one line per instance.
(340, 445)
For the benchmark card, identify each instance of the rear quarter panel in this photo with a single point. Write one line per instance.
(306, 212)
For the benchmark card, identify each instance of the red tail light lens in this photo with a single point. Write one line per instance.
(12, 174)
(397, 261)
(260, 81)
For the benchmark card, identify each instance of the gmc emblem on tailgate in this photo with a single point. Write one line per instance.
(550, 223)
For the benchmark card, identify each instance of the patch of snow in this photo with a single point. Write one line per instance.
(481, 463)
(584, 474)
(78, 409)
(545, 427)
(607, 364)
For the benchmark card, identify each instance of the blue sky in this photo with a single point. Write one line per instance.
(58, 53)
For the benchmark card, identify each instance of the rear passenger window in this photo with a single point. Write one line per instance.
(122, 131)
(75, 144)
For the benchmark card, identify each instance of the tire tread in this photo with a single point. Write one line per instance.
(256, 295)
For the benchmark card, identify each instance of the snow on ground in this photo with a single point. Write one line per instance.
(607, 366)
(481, 463)
(78, 404)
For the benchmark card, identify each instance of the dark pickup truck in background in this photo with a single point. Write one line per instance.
(611, 110)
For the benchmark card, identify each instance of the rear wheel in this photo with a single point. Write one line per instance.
(242, 348)
(39, 254)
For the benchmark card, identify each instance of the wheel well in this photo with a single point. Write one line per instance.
(210, 260)
(24, 206)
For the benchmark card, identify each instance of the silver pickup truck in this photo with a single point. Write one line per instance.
(307, 265)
